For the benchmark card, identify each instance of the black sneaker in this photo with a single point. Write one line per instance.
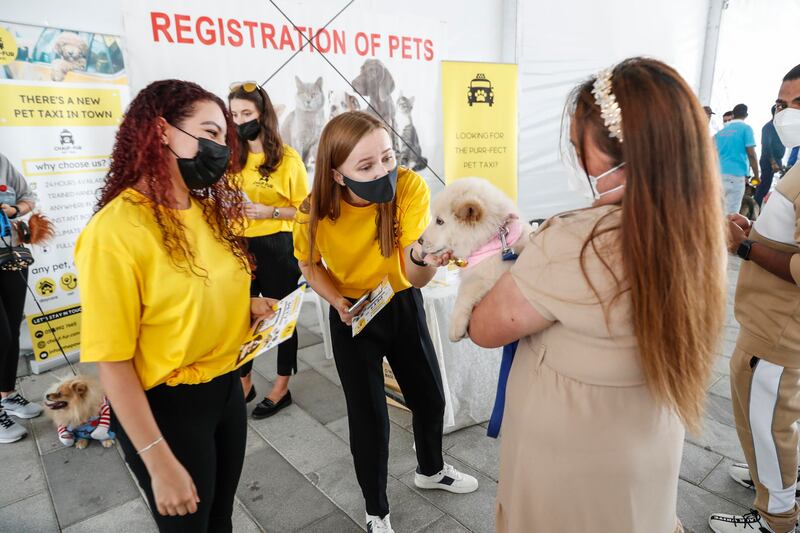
(266, 407)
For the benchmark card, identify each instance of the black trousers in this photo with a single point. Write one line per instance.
(399, 332)
(205, 425)
(276, 276)
(12, 303)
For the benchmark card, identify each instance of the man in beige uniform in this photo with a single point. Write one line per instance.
(765, 366)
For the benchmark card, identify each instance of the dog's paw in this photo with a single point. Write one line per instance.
(458, 327)
(81, 443)
(108, 443)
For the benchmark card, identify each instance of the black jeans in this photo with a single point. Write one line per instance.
(205, 425)
(276, 277)
(12, 303)
(399, 332)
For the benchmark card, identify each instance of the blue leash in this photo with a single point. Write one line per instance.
(496, 419)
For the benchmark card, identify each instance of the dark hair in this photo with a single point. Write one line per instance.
(269, 135)
(793, 74)
(671, 226)
(726, 113)
(739, 111)
(139, 153)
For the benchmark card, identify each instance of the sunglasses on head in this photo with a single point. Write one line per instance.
(246, 86)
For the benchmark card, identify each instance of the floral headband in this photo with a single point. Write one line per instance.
(610, 111)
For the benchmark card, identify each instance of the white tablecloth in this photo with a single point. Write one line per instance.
(469, 373)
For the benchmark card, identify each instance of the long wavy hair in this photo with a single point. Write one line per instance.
(672, 229)
(269, 135)
(139, 153)
(338, 139)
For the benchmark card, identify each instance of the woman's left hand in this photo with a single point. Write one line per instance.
(257, 211)
(261, 308)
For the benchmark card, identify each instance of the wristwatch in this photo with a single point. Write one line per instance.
(276, 213)
(744, 249)
(16, 212)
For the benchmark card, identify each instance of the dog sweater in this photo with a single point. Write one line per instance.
(97, 427)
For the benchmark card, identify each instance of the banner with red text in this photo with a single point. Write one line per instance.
(392, 60)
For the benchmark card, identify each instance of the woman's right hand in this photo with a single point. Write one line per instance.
(173, 489)
(342, 305)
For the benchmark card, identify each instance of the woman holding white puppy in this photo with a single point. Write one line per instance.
(363, 219)
(618, 309)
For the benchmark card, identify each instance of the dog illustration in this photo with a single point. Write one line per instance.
(340, 102)
(467, 219)
(80, 411)
(71, 51)
(376, 82)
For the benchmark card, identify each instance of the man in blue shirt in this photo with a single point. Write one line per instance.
(736, 146)
(772, 151)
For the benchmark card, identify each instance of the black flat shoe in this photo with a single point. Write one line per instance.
(267, 407)
(251, 395)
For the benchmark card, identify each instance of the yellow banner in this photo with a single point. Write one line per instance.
(65, 321)
(480, 122)
(28, 105)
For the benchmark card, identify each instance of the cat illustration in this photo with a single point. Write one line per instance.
(405, 126)
(303, 126)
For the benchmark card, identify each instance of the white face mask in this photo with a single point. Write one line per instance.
(588, 187)
(787, 124)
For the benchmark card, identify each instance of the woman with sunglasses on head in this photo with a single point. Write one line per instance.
(155, 262)
(360, 225)
(275, 182)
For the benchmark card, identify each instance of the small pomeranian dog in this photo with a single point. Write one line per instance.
(80, 410)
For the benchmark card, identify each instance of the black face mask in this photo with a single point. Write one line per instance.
(207, 167)
(379, 190)
(249, 130)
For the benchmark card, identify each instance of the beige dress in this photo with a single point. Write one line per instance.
(584, 446)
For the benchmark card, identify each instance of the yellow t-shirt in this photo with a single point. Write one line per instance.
(286, 187)
(178, 327)
(349, 245)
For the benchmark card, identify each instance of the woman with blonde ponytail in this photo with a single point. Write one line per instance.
(617, 309)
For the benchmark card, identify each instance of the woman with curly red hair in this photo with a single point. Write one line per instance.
(166, 304)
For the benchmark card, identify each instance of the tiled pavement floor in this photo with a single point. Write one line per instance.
(298, 473)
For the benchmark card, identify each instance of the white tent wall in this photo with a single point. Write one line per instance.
(557, 44)
(758, 45)
(561, 44)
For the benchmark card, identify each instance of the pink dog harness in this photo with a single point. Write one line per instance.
(506, 236)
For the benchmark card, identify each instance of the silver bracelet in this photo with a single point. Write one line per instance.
(159, 439)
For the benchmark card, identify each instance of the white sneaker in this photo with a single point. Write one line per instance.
(448, 479)
(10, 431)
(729, 523)
(740, 473)
(376, 524)
(17, 405)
